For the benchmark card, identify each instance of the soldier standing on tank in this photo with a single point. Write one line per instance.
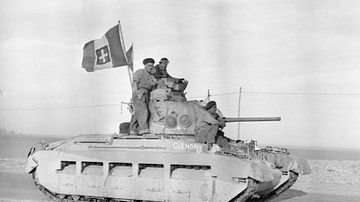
(143, 82)
(208, 125)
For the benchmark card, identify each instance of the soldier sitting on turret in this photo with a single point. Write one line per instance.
(208, 125)
(171, 88)
(159, 71)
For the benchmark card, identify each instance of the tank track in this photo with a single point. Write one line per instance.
(281, 189)
(242, 197)
(248, 192)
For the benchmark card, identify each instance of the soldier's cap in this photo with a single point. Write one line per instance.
(148, 60)
(210, 104)
(164, 60)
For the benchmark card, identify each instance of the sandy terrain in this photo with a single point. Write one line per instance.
(329, 181)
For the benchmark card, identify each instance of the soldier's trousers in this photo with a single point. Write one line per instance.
(141, 114)
(206, 135)
(211, 134)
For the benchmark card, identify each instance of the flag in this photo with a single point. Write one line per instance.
(130, 58)
(107, 52)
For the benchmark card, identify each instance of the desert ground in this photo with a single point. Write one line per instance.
(330, 180)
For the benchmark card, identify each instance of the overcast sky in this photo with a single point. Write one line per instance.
(296, 59)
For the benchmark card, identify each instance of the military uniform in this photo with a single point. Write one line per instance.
(145, 83)
(207, 130)
(158, 73)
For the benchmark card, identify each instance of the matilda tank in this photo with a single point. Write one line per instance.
(166, 165)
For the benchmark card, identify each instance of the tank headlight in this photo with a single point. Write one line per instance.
(170, 122)
(184, 120)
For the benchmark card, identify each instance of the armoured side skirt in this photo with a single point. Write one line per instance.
(63, 174)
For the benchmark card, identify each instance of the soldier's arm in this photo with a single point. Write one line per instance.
(211, 120)
(135, 87)
(136, 79)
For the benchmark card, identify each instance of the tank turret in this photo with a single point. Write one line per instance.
(171, 113)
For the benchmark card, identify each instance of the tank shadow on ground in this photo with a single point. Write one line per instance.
(291, 193)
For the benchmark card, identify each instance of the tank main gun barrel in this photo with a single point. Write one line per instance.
(251, 119)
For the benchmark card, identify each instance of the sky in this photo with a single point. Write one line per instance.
(294, 59)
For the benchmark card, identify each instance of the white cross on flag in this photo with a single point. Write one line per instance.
(107, 52)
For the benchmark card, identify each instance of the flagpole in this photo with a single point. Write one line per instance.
(131, 67)
(131, 83)
(131, 64)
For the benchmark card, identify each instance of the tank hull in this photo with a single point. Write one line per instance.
(153, 169)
